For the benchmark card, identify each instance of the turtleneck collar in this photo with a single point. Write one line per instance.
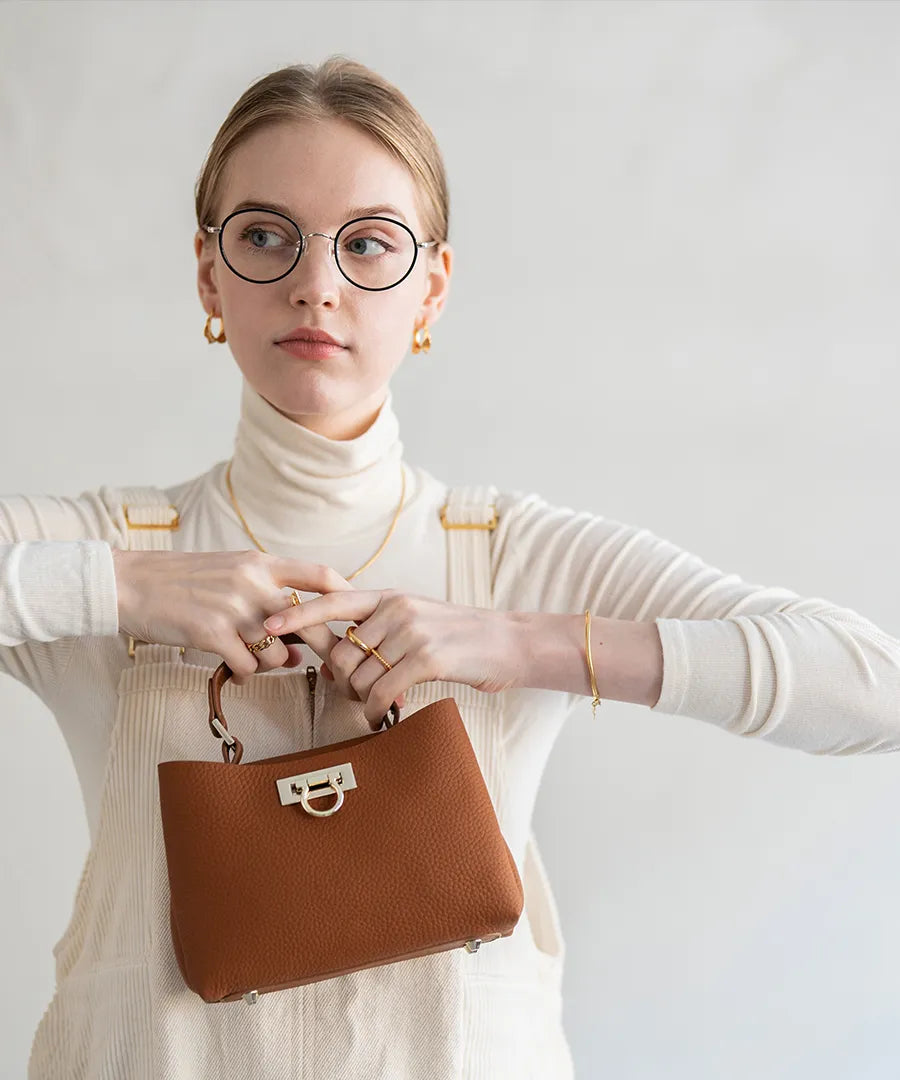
(296, 487)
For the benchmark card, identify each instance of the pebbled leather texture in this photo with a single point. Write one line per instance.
(266, 897)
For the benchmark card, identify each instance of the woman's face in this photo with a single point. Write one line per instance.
(320, 171)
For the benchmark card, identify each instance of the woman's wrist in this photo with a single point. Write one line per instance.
(549, 654)
(121, 557)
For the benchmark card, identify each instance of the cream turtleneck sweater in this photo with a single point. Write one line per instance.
(295, 486)
(758, 661)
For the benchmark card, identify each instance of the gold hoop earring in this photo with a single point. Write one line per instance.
(424, 344)
(208, 333)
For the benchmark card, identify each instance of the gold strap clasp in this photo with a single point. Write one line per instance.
(492, 524)
(132, 641)
(174, 524)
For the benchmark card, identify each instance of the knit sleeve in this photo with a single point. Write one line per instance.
(57, 580)
(760, 661)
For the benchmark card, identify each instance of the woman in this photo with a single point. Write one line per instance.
(115, 614)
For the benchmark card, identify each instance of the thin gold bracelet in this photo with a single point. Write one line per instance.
(587, 650)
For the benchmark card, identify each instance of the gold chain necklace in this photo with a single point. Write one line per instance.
(365, 564)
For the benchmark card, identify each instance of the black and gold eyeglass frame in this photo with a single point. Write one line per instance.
(301, 245)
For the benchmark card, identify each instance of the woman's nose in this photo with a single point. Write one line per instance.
(316, 272)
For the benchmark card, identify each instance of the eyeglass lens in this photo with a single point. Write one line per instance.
(372, 252)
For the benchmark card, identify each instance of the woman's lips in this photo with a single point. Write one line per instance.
(310, 350)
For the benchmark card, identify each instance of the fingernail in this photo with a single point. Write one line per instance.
(275, 623)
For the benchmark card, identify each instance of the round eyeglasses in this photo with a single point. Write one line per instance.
(373, 253)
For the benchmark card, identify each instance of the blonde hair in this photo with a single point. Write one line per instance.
(338, 88)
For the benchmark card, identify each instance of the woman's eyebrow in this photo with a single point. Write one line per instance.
(353, 212)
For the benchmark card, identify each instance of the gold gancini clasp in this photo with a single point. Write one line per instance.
(492, 524)
(302, 787)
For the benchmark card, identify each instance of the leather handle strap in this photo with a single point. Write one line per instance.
(217, 721)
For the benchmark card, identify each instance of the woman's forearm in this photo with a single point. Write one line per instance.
(548, 653)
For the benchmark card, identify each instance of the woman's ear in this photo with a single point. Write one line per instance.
(440, 267)
(207, 288)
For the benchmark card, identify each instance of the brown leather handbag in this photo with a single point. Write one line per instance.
(397, 826)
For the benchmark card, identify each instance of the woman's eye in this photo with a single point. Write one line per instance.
(357, 246)
(262, 238)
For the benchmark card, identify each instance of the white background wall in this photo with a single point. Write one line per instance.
(674, 303)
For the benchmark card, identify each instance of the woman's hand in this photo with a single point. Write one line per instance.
(216, 601)
(423, 639)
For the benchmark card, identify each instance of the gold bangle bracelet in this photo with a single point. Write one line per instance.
(587, 650)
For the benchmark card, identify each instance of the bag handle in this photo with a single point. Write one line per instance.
(219, 726)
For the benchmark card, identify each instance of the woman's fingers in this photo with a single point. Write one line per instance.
(217, 601)
(353, 606)
(312, 577)
(303, 576)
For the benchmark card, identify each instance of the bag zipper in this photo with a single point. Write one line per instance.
(311, 678)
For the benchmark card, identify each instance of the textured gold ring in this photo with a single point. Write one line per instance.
(263, 643)
(387, 666)
(295, 599)
(369, 650)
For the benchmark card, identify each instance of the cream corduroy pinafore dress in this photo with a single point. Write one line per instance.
(121, 1009)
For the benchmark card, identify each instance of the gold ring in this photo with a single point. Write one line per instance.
(295, 599)
(367, 649)
(263, 643)
(387, 666)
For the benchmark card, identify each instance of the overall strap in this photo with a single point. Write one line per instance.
(469, 517)
(150, 520)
